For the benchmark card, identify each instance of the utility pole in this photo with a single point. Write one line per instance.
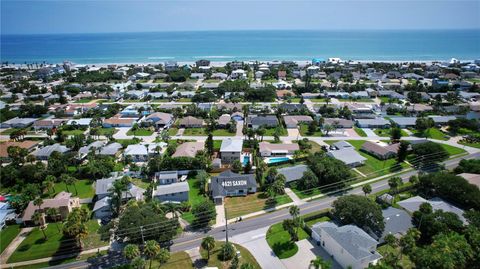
(141, 231)
(225, 212)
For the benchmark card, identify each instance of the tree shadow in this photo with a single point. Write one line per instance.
(279, 248)
(68, 246)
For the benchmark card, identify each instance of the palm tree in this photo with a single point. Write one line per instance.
(320, 263)
(367, 189)
(208, 243)
(131, 251)
(53, 214)
(64, 179)
(151, 250)
(49, 183)
(295, 212)
(162, 257)
(138, 263)
(71, 181)
(116, 192)
(37, 217)
(38, 202)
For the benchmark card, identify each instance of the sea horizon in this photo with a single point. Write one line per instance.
(243, 45)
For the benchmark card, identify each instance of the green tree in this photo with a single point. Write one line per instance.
(203, 213)
(54, 213)
(395, 134)
(367, 189)
(75, 225)
(312, 127)
(247, 266)
(131, 251)
(151, 250)
(37, 217)
(209, 144)
(359, 210)
(208, 244)
(394, 183)
(162, 257)
(227, 251)
(320, 263)
(402, 151)
(430, 152)
(138, 263)
(236, 166)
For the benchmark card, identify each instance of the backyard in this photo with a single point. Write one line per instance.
(194, 197)
(84, 188)
(242, 205)
(280, 242)
(245, 257)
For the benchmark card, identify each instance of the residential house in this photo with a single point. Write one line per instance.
(442, 120)
(237, 116)
(268, 121)
(112, 149)
(349, 156)
(104, 186)
(380, 149)
(169, 189)
(397, 223)
(117, 121)
(284, 93)
(189, 149)
(136, 153)
(191, 122)
(95, 146)
(26, 144)
(418, 108)
(17, 122)
(202, 62)
(223, 121)
(170, 66)
(294, 121)
(238, 74)
(338, 122)
(47, 124)
(373, 123)
(63, 201)
(229, 183)
(293, 173)
(7, 213)
(231, 150)
(349, 245)
(221, 76)
(102, 208)
(160, 119)
(83, 122)
(413, 204)
(292, 107)
(342, 145)
(404, 122)
(267, 149)
(45, 152)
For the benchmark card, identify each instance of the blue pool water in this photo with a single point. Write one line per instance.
(278, 159)
(246, 159)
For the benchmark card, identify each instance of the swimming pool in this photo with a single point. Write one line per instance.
(277, 160)
(246, 159)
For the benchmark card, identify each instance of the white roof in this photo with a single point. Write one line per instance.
(231, 145)
(136, 150)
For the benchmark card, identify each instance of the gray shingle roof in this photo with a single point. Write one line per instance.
(171, 188)
(346, 155)
(48, 150)
(232, 181)
(396, 221)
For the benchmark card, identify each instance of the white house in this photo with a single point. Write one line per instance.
(231, 150)
(349, 245)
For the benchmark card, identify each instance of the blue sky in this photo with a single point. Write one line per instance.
(36, 17)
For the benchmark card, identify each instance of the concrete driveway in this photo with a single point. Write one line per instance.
(122, 133)
(293, 132)
(369, 132)
(255, 241)
(307, 251)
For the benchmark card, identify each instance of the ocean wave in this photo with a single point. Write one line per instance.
(214, 57)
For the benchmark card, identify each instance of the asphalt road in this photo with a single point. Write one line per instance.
(193, 240)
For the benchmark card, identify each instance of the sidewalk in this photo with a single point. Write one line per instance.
(296, 200)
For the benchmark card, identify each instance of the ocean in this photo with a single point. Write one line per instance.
(378, 45)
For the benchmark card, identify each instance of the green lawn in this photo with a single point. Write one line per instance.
(217, 144)
(304, 131)
(36, 247)
(73, 132)
(279, 241)
(106, 131)
(246, 257)
(7, 235)
(433, 133)
(359, 131)
(194, 131)
(271, 131)
(178, 260)
(139, 182)
(242, 205)
(58, 262)
(194, 198)
(184, 100)
(126, 142)
(222, 132)
(452, 150)
(84, 187)
(140, 132)
(404, 262)
(386, 132)
(311, 222)
(172, 131)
